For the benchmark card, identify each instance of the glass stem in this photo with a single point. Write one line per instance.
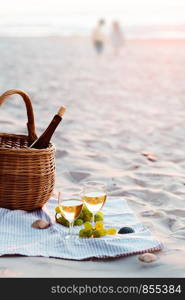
(93, 224)
(70, 228)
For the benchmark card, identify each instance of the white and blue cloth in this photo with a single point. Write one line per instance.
(17, 236)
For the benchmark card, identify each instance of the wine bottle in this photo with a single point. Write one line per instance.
(43, 141)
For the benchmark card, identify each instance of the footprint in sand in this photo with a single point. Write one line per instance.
(78, 176)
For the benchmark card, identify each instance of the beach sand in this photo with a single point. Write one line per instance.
(117, 108)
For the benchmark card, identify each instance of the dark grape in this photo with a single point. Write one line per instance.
(125, 230)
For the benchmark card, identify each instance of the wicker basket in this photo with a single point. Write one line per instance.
(27, 176)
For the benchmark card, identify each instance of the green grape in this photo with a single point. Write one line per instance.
(111, 231)
(60, 219)
(82, 233)
(103, 232)
(96, 234)
(87, 217)
(98, 216)
(81, 215)
(87, 225)
(85, 233)
(63, 221)
(99, 225)
(58, 210)
(66, 223)
(78, 222)
(88, 233)
(85, 209)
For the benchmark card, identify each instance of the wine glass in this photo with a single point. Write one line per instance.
(71, 207)
(94, 196)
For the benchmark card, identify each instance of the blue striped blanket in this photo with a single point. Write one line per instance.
(18, 237)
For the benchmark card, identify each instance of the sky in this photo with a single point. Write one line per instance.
(169, 9)
(53, 16)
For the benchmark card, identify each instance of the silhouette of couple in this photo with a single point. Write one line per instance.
(99, 37)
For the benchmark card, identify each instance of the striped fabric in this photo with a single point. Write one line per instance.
(18, 237)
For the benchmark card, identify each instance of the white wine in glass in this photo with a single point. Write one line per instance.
(94, 201)
(94, 196)
(70, 209)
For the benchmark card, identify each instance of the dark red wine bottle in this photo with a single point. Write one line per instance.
(44, 140)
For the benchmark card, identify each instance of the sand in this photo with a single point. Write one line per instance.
(117, 108)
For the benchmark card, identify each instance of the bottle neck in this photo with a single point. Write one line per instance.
(44, 139)
(52, 126)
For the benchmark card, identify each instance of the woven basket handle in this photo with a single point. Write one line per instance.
(31, 123)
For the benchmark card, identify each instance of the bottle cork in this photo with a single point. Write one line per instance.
(61, 111)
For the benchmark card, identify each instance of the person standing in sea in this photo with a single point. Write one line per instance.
(98, 36)
(116, 37)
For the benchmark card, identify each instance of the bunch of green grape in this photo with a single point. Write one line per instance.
(97, 231)
(85, 216)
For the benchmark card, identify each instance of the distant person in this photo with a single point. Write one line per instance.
(116, 37)
(98, 36)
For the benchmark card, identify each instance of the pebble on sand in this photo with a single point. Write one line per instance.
(40, 224)
(145, 153)
(152, 158)
(159, 214)
(147, 257)
(149, 156)
(152, 213)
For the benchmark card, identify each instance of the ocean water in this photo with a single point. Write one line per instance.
(83, 24)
